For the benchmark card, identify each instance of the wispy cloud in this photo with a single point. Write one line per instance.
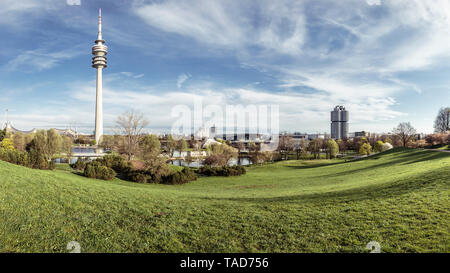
(39, 60)
(364, 54)
(373, 2)
(132, 75)
(182, 78)
(73, 2)
(230, 24)
(297, 110)
(11, 10)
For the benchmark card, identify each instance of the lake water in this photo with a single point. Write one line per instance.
(88, 152)
(196, 164)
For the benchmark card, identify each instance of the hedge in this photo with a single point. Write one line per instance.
(96, 170)
(222, 171)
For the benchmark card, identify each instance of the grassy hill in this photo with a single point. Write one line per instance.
(400, 199)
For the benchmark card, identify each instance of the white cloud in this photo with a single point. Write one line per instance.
(229, 24)
(343, 51)
(11, 10)
(373, 2)
(73, 2)
(298, 111)
(132, 75)
(40, 60)
(182, 78)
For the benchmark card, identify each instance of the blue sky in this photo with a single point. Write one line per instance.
(386, 61)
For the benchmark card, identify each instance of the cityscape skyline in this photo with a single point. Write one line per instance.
(306, 67)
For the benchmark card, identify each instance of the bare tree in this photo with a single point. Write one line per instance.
(442, 122)
(405, 132)
(67, 144)
(285, 146)
(314, 147)
(131, 124)
(171, 145)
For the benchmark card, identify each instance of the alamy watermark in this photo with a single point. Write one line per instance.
(374, 247)
(73, 2)
(74, 247)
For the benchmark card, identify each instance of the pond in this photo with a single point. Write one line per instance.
(84, 152)
(243, 161)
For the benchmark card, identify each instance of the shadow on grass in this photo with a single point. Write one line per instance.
(400, 153)
(315, 165)
(439, 178)
(404, 156)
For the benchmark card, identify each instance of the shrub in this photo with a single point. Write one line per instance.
(421, 143)
(7, 144)
(15, 157)
(378, 147)
(220, 154)
(80, 164)
(215, 160)
(38, 161)
(173, 178)
(51, 165)
(138, 176)
(437, 139)
(107, 167)
(115, 162)
(386, 146)
(365, 149)
(95, 170)
(222, 171)
(180, 177)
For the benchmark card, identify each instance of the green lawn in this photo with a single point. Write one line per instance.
(399, 198)
(446, 147)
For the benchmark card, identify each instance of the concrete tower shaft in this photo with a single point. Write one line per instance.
(99, 61)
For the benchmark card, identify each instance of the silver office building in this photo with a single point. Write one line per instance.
(339, 122)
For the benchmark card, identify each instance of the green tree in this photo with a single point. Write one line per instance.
(332, 148)
(47, 143)
(157, 167)
(19, 141)
(150, 146)
(378, 147)
(66, 147)
(365, 149)
(7, 144)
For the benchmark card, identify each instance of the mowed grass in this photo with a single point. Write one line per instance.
(399, 199)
